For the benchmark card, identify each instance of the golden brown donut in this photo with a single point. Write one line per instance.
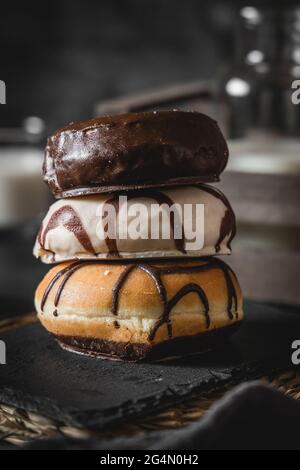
(130, 310)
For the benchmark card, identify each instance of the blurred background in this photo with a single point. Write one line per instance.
(68, 60)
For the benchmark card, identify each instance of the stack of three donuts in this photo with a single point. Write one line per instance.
(135, 297)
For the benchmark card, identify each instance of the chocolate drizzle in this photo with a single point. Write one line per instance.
(67, 272)
(165, 318)
(156, 273)
(67, 217)
(160, 198)
(117, 287)
(228, 224)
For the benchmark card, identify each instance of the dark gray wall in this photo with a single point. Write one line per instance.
(59, 57)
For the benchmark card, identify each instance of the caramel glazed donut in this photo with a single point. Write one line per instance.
(132, 310)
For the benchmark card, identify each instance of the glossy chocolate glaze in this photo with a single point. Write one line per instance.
(132, 151)
(155, 272)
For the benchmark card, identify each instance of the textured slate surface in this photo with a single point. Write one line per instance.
(97, 393)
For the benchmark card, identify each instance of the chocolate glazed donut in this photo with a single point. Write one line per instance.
(134, 151)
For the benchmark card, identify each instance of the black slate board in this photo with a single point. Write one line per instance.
(98, 393)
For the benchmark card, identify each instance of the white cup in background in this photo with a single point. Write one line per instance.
(23, 194)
